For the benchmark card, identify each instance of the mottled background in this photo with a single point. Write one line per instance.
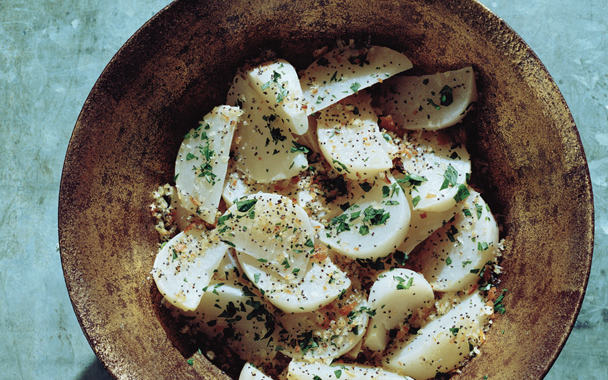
(51, 53)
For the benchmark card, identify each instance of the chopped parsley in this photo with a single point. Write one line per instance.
(446, 96)
(376, 217)
(482, 246)
(340, 166)
(479, 210)
(402, 284)
(450, 177)
(462, 193)
(366, 186)
(307, 342)
(340, 223)
(299, 148)
(245, 205)
(334, 78)
(411, 180)
(451, 232)
(415, 200)
(498, 306)
(206, 171)
(432, 103)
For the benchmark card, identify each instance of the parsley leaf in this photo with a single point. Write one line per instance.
(462, 193)
(446, 96)
(450, 177)
(375, 216)
(299, 148)
(245, 205)
(412, 180)
(479, 210)
(366, 186)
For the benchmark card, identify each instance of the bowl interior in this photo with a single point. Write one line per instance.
(524, 144)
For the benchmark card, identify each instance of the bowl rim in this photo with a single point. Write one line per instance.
(133, 41)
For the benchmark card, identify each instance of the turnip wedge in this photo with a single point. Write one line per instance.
(278, 84)
(185, 265)
(395, 296)
(315, 371)
(455, 256)
(264, 146)
(322, 283)
(239, 185)
(424, 223)
(202, 162)
(436, 171)
(443, 344)
(350, 139)
(346, 70)
(246, 321)
(327, 333)
(374, 226)
(429, 102)
(272, 229)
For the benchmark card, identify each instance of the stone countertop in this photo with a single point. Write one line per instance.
(51, 53)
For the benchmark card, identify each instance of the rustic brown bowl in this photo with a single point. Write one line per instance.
(179, 65)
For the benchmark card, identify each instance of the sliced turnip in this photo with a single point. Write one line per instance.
(454, 257)
(238, 185)
(326, 333)
(429, 101)
(394, 298)
(424, 223)
(247, 322)
(185, 265)
(350, 139)
(264, 147)
(442, 345)
(314, 371)
(346, 70)
(278, 84)
(272, 229)
(436, 171)
(321, 285)
(202, 161)
(374, 225)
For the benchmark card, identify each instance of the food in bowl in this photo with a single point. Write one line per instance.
(325, 228)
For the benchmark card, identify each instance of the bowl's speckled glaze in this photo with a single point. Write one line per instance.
(180, 64)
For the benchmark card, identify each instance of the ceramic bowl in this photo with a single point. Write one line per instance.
(180, 64)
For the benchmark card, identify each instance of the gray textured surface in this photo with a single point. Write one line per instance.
(51, 53)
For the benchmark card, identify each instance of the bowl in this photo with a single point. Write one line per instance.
(180, 64)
